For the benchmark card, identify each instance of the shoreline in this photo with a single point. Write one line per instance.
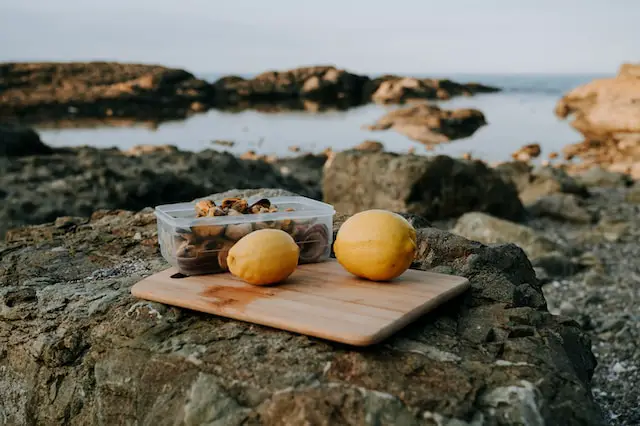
(33, 92)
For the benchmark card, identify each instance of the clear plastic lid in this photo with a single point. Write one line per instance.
(184, 215)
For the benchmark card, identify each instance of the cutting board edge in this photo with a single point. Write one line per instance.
(416, 313)
(362, 340)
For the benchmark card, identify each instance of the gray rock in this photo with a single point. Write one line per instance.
(435, 187)
(535, 183)
(633, 194)
(561, 206)
(39, 189)
(491, 230)
(599, 177)
(492, 356)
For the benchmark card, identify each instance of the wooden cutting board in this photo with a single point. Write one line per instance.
(321, 300)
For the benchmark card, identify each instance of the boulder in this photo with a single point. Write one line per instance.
(77, 348)
(597, 176)
(567, 207)
(527, 152)
(324, 84)
(492, 230)
(19, 141)
(431, 125)
(534, 183)
(435, 187)
(50, 91)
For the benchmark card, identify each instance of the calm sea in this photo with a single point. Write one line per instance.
(521, 114)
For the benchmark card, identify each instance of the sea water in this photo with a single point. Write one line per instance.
(522, 113)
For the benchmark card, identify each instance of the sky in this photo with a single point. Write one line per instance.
(368, 36)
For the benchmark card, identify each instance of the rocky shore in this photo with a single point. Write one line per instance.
(547, 334)
(607, 113)
(46, 92)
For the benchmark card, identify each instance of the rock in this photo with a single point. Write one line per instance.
(306, 168)
(633, 194)
(322, 84)
(561, 206)
(79, 181)
(492, 230)
(430, 124)
(596, 176)
(82, 350)
(605, 107)
(49, 91)
(370, 146)
(607, 113)
(435, 187)
(527, 152)
(535, 183)
(395, 89)
(148, 149)
(18, 142)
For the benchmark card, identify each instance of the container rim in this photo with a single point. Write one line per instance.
(319, 209)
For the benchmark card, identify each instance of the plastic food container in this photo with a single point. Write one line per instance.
(199, 245)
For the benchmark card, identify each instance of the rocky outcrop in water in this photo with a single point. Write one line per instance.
(108, 91)
(49, 91)
(325, 85)
(79, 349)
(607, 112)
(392, 89)
(436, 187)
(430, 124)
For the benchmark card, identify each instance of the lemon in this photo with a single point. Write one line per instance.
(262, 257)
(377, 245)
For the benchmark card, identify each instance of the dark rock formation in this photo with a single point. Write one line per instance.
(18, 141)
(325, 85)
(77, 348)
(78, 181)
(436, 187)
(49, 91)
(431, 125)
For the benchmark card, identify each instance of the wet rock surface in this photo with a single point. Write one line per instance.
(76, 182)
(436, 187)
(430, 124)
(46, 91)
(78, 349)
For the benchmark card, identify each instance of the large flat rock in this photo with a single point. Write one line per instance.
(76, 348)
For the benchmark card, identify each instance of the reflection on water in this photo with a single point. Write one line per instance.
(514, 119)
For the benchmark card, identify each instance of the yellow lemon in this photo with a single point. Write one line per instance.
(378, 245)
(262, 257)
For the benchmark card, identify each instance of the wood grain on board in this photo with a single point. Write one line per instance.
(321, 300)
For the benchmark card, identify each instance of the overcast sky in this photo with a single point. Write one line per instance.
(408, 36)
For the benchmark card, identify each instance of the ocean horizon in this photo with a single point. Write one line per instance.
(522, 113)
